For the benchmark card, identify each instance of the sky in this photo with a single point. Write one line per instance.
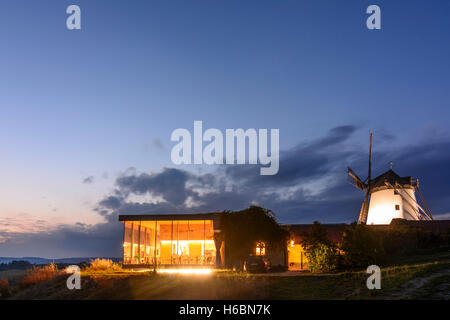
(86, 115)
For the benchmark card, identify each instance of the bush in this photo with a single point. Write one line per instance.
(322, 258)
(39, 274)
(361, 247)
(402, 239)
(4, 288)
(103, 265)
(322, 255)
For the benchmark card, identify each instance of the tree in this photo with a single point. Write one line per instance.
(241, 230)
(322, 255)
(317, 236)
(361, 247)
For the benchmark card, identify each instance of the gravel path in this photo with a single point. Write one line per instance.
(411, 288)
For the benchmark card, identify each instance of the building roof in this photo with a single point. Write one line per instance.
(392, 178)
(161, 217)
(334, 231)
(433, 225)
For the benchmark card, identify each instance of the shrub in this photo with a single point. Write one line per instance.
(4, 288)
(361, 247)
(322, 255)
(322, 258)
(39, 274)
(103, 265)
(403, 239)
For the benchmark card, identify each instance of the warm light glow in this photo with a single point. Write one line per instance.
(188, 241)
(292, 243)
(260, 249)
(185, 271)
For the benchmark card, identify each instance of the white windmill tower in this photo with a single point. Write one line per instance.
(389, 196)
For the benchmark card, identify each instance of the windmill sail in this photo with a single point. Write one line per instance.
(363, 212)
(355, 180)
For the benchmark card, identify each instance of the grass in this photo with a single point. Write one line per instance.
(5, 290)
(39, 274)
(11, 274)
(113, 283)
(103, 265)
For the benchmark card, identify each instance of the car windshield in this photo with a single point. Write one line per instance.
(254, 259)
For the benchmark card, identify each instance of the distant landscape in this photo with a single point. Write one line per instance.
(38, 260)
(414, 277)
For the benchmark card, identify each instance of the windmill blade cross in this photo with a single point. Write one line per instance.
(355, 180)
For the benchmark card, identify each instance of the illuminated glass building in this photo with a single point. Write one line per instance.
(172, 240)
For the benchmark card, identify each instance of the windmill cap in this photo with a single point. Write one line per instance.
(391, 178)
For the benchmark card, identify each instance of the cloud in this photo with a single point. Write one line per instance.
(158, 144)
(311, 185)
(88, 180)
(77, 240)
(443, 216)
(299, 192)
(170, 184)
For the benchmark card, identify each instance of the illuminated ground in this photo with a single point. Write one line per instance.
(427, 278)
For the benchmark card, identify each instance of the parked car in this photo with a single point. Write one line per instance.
(256, 264)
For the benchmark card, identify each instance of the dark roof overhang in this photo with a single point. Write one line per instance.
(161, 217)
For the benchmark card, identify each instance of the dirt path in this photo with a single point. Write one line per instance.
(410, 288)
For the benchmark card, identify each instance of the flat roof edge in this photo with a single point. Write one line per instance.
(161, 217)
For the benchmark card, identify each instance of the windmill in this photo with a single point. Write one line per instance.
(388, 196)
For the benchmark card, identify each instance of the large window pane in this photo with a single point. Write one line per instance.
(196, 241)
(210, 247)
(174, 243)
(127, 243)
(149, 241)
(142, 245)
(182, 243)
(135, 241)
(166, 241)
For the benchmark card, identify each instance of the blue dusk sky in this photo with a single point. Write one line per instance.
(86, 115)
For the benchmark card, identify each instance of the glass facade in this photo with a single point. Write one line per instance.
(169, 242)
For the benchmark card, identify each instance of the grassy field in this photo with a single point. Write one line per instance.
(9, 274)
(426, 278)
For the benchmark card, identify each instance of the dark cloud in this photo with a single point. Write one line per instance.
(111, 202)
(88, 180)
(170, 184)
(305, 162)
(311, 185)
(319, 164)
